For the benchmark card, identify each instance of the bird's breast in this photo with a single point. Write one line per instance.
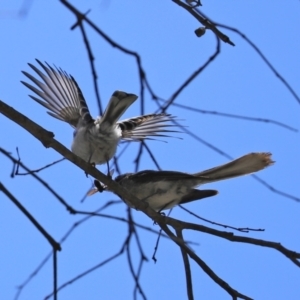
(159, 195)
(94, 146)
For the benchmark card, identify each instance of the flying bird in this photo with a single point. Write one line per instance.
(95, 140)
(166, 189)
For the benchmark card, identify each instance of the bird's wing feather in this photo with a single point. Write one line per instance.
(147, 126)
(60, 94)
(154, 176)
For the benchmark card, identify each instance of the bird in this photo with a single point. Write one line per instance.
(94, 140)
(163, 190)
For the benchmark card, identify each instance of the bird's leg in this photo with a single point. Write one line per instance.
(89, 161)
(108, 170)
(161, 212)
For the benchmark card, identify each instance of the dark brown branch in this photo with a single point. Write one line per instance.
(192, 77)
(263, 57)
(224, 285)
(37, 170)
(40, 180)
(47, 139)
(61, 241)
(221, 114)
(187, 268)
(135, 275)
(152, 156)
(54, 274)
(93, 68)
(205, 22)
(114, 44)
(62, 286)
(292, 255)
(274, 190)
(138, 157)
(80, 18)
(47, 236)
(241, 229)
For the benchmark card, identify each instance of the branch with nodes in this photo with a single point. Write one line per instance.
(205, 22)
(145, 85)
(47, 139)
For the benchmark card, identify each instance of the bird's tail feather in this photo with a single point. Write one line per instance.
(244, 165)
(118, 104)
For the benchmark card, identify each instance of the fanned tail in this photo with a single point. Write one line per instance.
(117, 105)
(247, 164)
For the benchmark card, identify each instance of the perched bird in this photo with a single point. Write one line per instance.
(165, 189)
(95, 140)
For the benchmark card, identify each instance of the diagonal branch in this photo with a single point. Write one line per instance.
(290, 254)
(224, 285)
(208, 24)
(48, 237)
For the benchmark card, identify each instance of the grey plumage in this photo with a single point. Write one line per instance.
(166, 189)
(95, 140)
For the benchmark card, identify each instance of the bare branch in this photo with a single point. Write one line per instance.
(208, 24)
(187, 268)
(221, 114)
(224, 285)
(43, 182)
(47, 236)
(192, 77)
(241, 229)
(290, 254)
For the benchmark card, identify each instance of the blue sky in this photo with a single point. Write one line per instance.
(236, 82)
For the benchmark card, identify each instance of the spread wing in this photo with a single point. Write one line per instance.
(147, 126)
(60, 93)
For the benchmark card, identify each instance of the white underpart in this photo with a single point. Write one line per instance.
(96, 147)
(159, 195)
